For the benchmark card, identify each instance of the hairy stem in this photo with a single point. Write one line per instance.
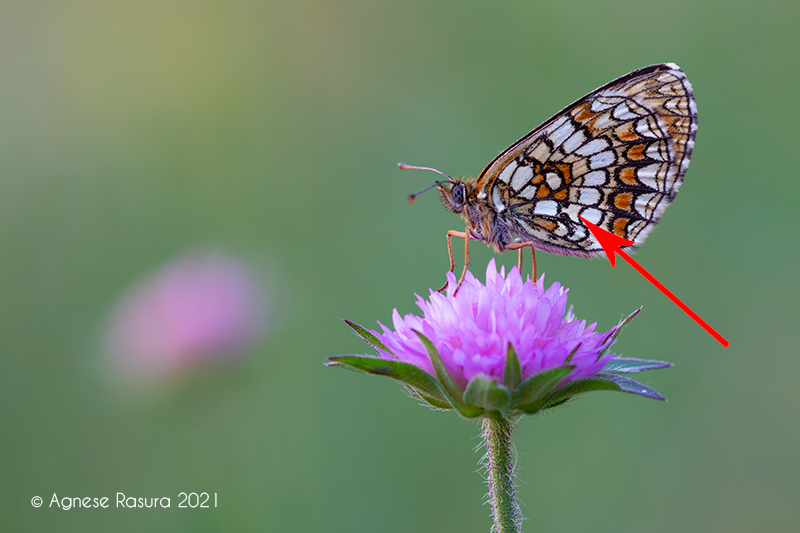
(500, 462)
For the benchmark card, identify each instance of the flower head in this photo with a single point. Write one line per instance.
(472, 329)
(504, 345)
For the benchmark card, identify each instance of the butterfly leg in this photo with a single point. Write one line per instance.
(519, 246)
(461, 235)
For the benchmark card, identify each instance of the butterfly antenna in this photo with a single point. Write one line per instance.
(403, 166)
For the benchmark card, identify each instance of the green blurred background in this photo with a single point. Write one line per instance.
(130, 132)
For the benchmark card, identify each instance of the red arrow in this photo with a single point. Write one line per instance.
(611, 243)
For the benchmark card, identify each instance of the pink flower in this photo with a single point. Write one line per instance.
(198, 308)
(505, 346)
(473, 329)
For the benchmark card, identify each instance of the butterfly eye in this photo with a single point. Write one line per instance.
(457, 193)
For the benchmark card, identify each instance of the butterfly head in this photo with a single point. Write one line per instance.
(461, 197)
(455, 197)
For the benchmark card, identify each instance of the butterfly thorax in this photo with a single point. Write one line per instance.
(485, 222)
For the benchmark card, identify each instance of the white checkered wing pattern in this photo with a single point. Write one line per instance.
(616, 157)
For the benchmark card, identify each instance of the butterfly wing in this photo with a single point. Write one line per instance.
(616, 157)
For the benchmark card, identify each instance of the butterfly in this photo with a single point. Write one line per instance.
(615, 157)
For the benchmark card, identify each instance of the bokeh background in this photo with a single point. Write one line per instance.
(131, 133)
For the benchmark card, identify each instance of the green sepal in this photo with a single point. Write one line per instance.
(556, 404)
(622, 325)
(534, 391)
(410, 375)
(433, 402)
(371, 339)
(626, 384)
(602, 381)
(444, 377)
(512, 374)
(629, 365)
(576, 387)
(488, 395)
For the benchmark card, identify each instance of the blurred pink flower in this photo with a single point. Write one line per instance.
(200, 307)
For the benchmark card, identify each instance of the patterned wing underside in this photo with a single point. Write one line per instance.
(616, 157)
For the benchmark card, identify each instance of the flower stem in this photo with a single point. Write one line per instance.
(500, 462)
